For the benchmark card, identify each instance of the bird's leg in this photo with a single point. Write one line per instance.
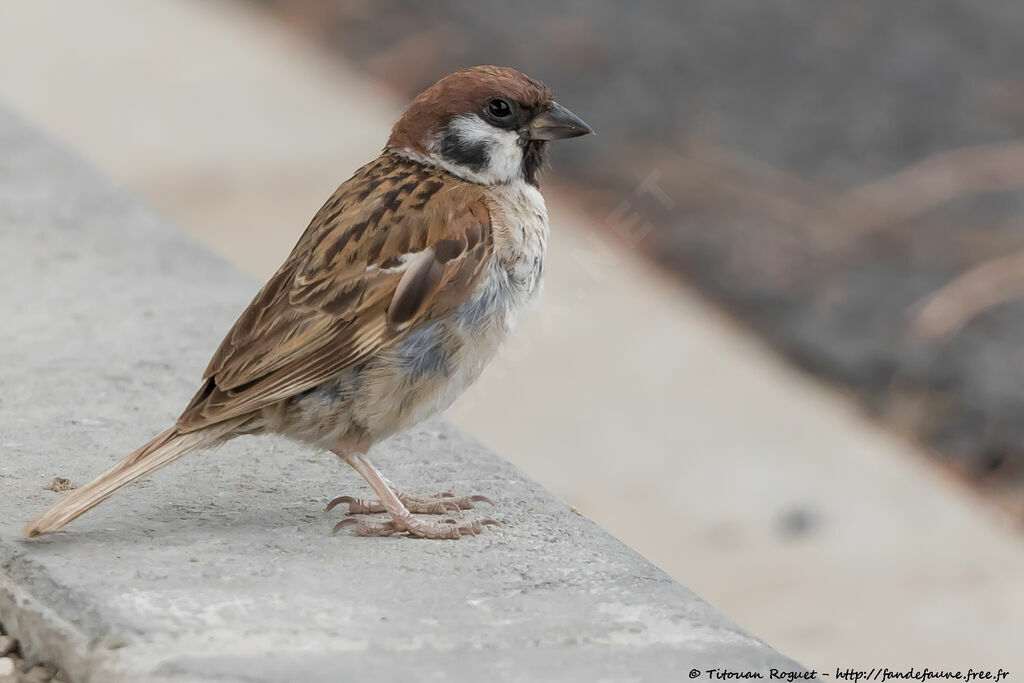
(402, 519)
(437, 504)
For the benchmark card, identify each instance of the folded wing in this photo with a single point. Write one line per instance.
(395, 246)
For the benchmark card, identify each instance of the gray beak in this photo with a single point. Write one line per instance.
(557, 123)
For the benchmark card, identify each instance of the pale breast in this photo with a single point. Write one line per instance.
(520, 220)
(428, 369)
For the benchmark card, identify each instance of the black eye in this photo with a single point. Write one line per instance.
(499, 108)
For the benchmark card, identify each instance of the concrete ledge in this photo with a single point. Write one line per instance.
(222, 567)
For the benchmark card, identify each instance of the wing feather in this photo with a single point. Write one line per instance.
(327, 307)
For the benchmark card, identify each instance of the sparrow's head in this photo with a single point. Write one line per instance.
(487, 124)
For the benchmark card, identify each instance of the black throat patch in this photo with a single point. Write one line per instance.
(533, 161)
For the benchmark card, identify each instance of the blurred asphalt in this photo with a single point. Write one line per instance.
(651, 412)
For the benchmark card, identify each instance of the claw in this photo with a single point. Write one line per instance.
(338, 501)
(342, 524)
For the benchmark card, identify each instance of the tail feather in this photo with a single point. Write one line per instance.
(162, 450)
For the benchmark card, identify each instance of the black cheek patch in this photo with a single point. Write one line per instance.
(471, 155)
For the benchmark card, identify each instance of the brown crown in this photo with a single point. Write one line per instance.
(463, 92)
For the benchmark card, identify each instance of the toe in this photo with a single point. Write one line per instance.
(476, 526)
(356, 505)
(460, 503)
(364, 528)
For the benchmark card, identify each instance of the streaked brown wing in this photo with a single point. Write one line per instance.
(396, 245)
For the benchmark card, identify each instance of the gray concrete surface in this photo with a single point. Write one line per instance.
(222, 567)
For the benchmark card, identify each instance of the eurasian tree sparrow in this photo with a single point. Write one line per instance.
(396, 296)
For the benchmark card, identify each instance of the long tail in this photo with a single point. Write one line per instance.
(162, 450)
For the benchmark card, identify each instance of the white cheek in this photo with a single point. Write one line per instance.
(504, 153)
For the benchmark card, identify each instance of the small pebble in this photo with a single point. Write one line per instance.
(7, 645)
(60, 484)
(6, 666)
